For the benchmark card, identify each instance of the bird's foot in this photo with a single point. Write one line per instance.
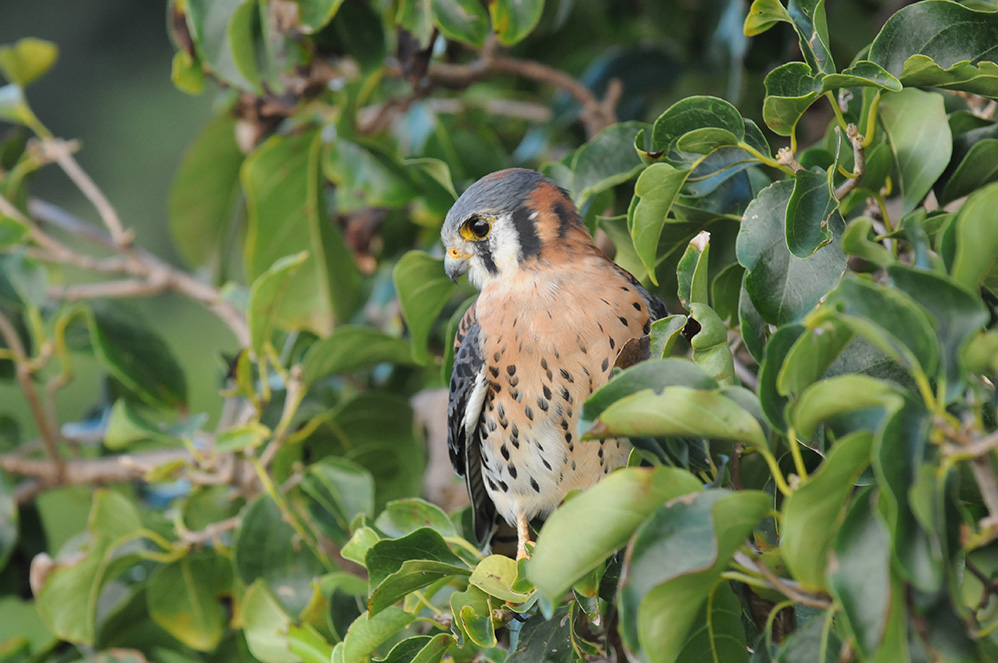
(521, 549)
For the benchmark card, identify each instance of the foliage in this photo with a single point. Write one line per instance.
(814, 469)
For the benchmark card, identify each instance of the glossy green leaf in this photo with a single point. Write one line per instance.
(655, 192)
(135, 355)
(513, 20)
(126, 425)
(497, 576)
(420, 649)
(862, 74)
(710, 345)
(808, 19)
(342, 489)
(694, 113)
(673, 563)
(398, 566)
(546, 640)
(187, 73)
(366, 175)
(976, 241)
(783, 287)
(664, 333)
(605, 161)
(403, 517)
(977, 168)
(718, 634)
(856, 241)
(682, 412)
(204, 194)
(27, 60)
(813, 512)
(791, 88)
(185, 599)
(268, 547)
(241, 438)
(315, 14)
(423, 290)
(615, 507)
(462, 20)
(22, 281)
(356, 548)
(472, 610)
(209, 23)
(266, 301)
(809, 213)
(777, 350)
(286, 208)
(909, 47)
(351, 347)
(265, 625)
(920, 138)
(692, 271)
(308, 644)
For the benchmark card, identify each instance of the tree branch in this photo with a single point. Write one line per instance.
(859, 162)
(788, 588)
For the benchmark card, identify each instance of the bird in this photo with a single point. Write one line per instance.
(552, 315)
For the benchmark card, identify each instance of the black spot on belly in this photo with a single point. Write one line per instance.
(494, 370)
(606, 363)
(546, 463)
(511, 369)
(527, 411)
(547, 392)
(613, 343)
(504, 450)
(492, 484)
(504, 486)
(637, 306)
(513, 380)
(533, 484)
(568, 376)
(492, 425)
(496, 357)
(542, 404)
(623, 320)
(512, 470)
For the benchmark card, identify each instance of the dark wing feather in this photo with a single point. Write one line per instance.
(465, 448)
(656, 307)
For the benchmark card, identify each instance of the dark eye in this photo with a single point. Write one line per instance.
(479, 227)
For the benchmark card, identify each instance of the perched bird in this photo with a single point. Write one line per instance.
(553, 314)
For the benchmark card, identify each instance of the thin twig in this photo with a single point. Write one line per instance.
(859, 162)
(61, 152)
(92, 471)
(118, 289)
(788, 588)
(46, 429)
(293, 394)
(210, 533)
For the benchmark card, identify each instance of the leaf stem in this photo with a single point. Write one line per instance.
(838, 111)
(769, 161)
(871, 120)
(795, 452)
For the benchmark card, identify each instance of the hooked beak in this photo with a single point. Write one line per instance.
(455, 263)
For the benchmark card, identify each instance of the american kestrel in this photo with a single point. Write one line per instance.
(553, 314)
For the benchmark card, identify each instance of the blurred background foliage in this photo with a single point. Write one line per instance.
(221, 399)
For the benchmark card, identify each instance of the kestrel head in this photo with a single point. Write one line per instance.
(506, 221)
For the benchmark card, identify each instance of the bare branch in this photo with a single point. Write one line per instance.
(118, 289)
(61, 152)
(788, 588)
(859, 162)
(48, 431)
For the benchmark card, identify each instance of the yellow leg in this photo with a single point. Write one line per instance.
(522, 537)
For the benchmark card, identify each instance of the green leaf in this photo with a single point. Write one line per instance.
(682, 412)
(791, 88)
(654, 374)
(286, 208)
(187, 73)
(513, 20)
(126, 426)
(812, 513)
(308, 644)
(205, 192)
(367, 633)
(241, 438)
(692, 271)
(135, 356)
(837, 395)
(461, 20)
(673, 563)
(977, 168)
(22, 281)
(862, 74)
(9, 517)
(396, 567)
(605, 161)
(976, 239)
(860, 578)
(366, 175)
(222, 39)
(266, 301)
(777, 350)
(268, 547)
(856, 241)
(403, 517)
(546, 640)
(342, 489)
(185, 598)
(718, 635)
(497, 576)
(710, 345)
(27, 60)
(920, 138)
(664, 333)
(420, 649)
(694, 113)
(808, 19)
(887, 318)
(612, 509)
(809, 213)
(783, 287)
(356, 548)
(472, 610)
(265, 625)
(423, 290)
(351, 347)
(315, 14)
(655, 192)
(934, 43)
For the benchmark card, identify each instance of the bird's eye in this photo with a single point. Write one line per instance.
(477, 228)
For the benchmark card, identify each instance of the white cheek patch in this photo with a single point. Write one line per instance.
(505, 247)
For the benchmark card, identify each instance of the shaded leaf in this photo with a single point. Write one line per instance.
(694, 113)
(185, 599)
(546, 640)
(809, 213)
(351, 347)
(423, 290)
(513, 20)
(463, 20)
(605, 161)
(28, 59)
(976, 252)
(655, 192)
